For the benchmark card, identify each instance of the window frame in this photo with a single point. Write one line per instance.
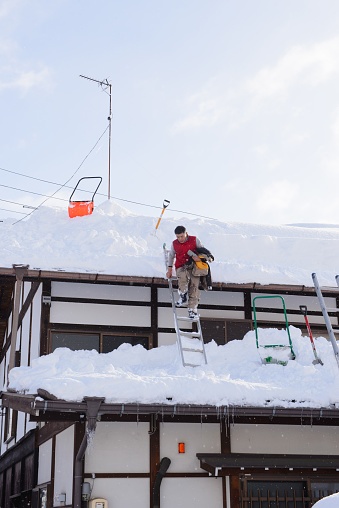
(227, 320)
(100, 333)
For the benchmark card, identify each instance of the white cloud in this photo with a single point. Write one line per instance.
(330, 157)
(261, 149)
(28, 80)
(307, 65)
(300, 66)
(277, 196)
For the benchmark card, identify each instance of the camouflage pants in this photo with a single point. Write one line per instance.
(188, 282)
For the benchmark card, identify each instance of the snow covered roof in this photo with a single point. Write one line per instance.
(234, 375)
(114, 241)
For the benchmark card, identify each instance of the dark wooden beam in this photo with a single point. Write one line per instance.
(22, 313)
(154, 446)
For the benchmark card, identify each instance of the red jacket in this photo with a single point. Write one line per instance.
(181, 249)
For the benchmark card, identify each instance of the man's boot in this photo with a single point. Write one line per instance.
(182, 302)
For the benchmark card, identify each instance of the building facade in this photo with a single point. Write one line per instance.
(57, 453)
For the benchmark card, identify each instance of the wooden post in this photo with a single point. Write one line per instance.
(20, 272)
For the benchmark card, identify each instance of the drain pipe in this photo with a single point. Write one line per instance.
(164, 465)
(93, 406)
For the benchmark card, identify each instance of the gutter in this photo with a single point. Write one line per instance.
(93, 406)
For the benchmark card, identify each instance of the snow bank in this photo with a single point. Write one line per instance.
(234, 375)
(113, 240)
(328, 502)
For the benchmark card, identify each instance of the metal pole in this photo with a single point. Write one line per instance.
(109, 141)
(105, 83)
(326, 317)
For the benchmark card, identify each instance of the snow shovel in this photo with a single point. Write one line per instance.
(164, 206)
(303, 310)
(82, 208)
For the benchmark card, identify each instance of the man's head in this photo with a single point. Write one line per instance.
(181, 234)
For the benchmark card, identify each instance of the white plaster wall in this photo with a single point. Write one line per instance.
(119, 448)
(292, 318)
(292, 302)
(123, 492)
(166, 339)
(209, 297)
(2, 445)
(101, 291)
(6, 365)
(100, 314)
(63, 475)
(30, 425)
(2, 369)
(191, 493)
(24, 331)
(20, 429)
(45, 462)
(221, 314)
(198, 438)
(9, 324)
(36, 324)
(289, 439)
(166, 319)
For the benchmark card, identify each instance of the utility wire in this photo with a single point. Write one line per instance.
(63, 185)
(16, 203)
(7, 210)
(98, 193)
(32, 192)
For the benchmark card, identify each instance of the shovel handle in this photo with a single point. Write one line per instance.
(303, 309)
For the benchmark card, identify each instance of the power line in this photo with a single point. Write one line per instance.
(16, 203)
(31, 192)
(63, 185)
(99, 194)
(13, 211)
(85, 190)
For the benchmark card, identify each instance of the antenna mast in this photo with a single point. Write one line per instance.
(104, 85)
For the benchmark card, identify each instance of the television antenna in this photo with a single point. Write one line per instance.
(105, 85)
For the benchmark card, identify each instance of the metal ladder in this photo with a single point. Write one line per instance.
(325, 312)
(185, 348)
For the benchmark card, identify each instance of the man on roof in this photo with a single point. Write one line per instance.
(185, 249)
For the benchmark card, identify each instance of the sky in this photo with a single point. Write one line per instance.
(228, 109)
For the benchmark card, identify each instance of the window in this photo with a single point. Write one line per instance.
(110, 342)
(75, 341)
(274, 494)
(103, 343)
(323, 489)
(222, 330)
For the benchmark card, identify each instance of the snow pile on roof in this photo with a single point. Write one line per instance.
(328, 502)
(234, 375)
(112, 240)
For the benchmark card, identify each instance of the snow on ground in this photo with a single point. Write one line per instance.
(112, 240)
(234, 375)
(328, 502)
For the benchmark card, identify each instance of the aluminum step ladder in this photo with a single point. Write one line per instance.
(190, 343)
(325, 312)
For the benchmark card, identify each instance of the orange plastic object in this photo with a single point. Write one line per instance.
(181, 448)
(80, 208)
